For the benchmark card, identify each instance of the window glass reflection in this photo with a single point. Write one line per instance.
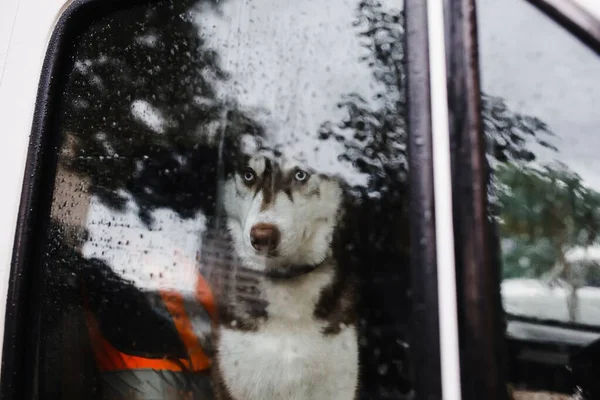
(542, 130)
(229, 215)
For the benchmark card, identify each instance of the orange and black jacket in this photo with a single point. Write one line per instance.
(148, 344)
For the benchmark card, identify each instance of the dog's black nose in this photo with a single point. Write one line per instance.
(264, 237)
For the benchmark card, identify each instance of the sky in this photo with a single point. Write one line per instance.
(543, 71)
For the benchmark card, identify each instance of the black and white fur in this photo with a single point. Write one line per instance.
(287, 308)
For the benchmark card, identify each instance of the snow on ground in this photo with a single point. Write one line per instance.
(536, 299)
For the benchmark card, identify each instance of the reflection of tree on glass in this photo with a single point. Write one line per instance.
(142, 107)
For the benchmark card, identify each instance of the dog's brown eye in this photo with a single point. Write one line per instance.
(249, 176)
(301, 176)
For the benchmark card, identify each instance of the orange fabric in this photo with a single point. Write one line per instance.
(205, 297)
(109, 358)
(174, 303)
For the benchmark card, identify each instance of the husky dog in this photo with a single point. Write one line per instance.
(287, 307)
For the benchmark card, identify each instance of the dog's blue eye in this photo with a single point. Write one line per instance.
(301, 176)
(248, 176)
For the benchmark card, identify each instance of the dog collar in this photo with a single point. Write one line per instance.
(291, 272)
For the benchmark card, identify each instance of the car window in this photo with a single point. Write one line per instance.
(540, 86)
(230, 192)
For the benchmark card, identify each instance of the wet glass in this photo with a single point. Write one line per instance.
(540, 89)
(230, 193)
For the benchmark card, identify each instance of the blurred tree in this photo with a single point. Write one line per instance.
(548, 210)
(544, 213)
(142, 110)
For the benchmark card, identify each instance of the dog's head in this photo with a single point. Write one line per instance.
(280, 213)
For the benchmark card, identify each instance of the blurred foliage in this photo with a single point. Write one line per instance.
(150, 60)
(544, 212)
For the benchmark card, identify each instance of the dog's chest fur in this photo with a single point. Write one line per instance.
(286, 339)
